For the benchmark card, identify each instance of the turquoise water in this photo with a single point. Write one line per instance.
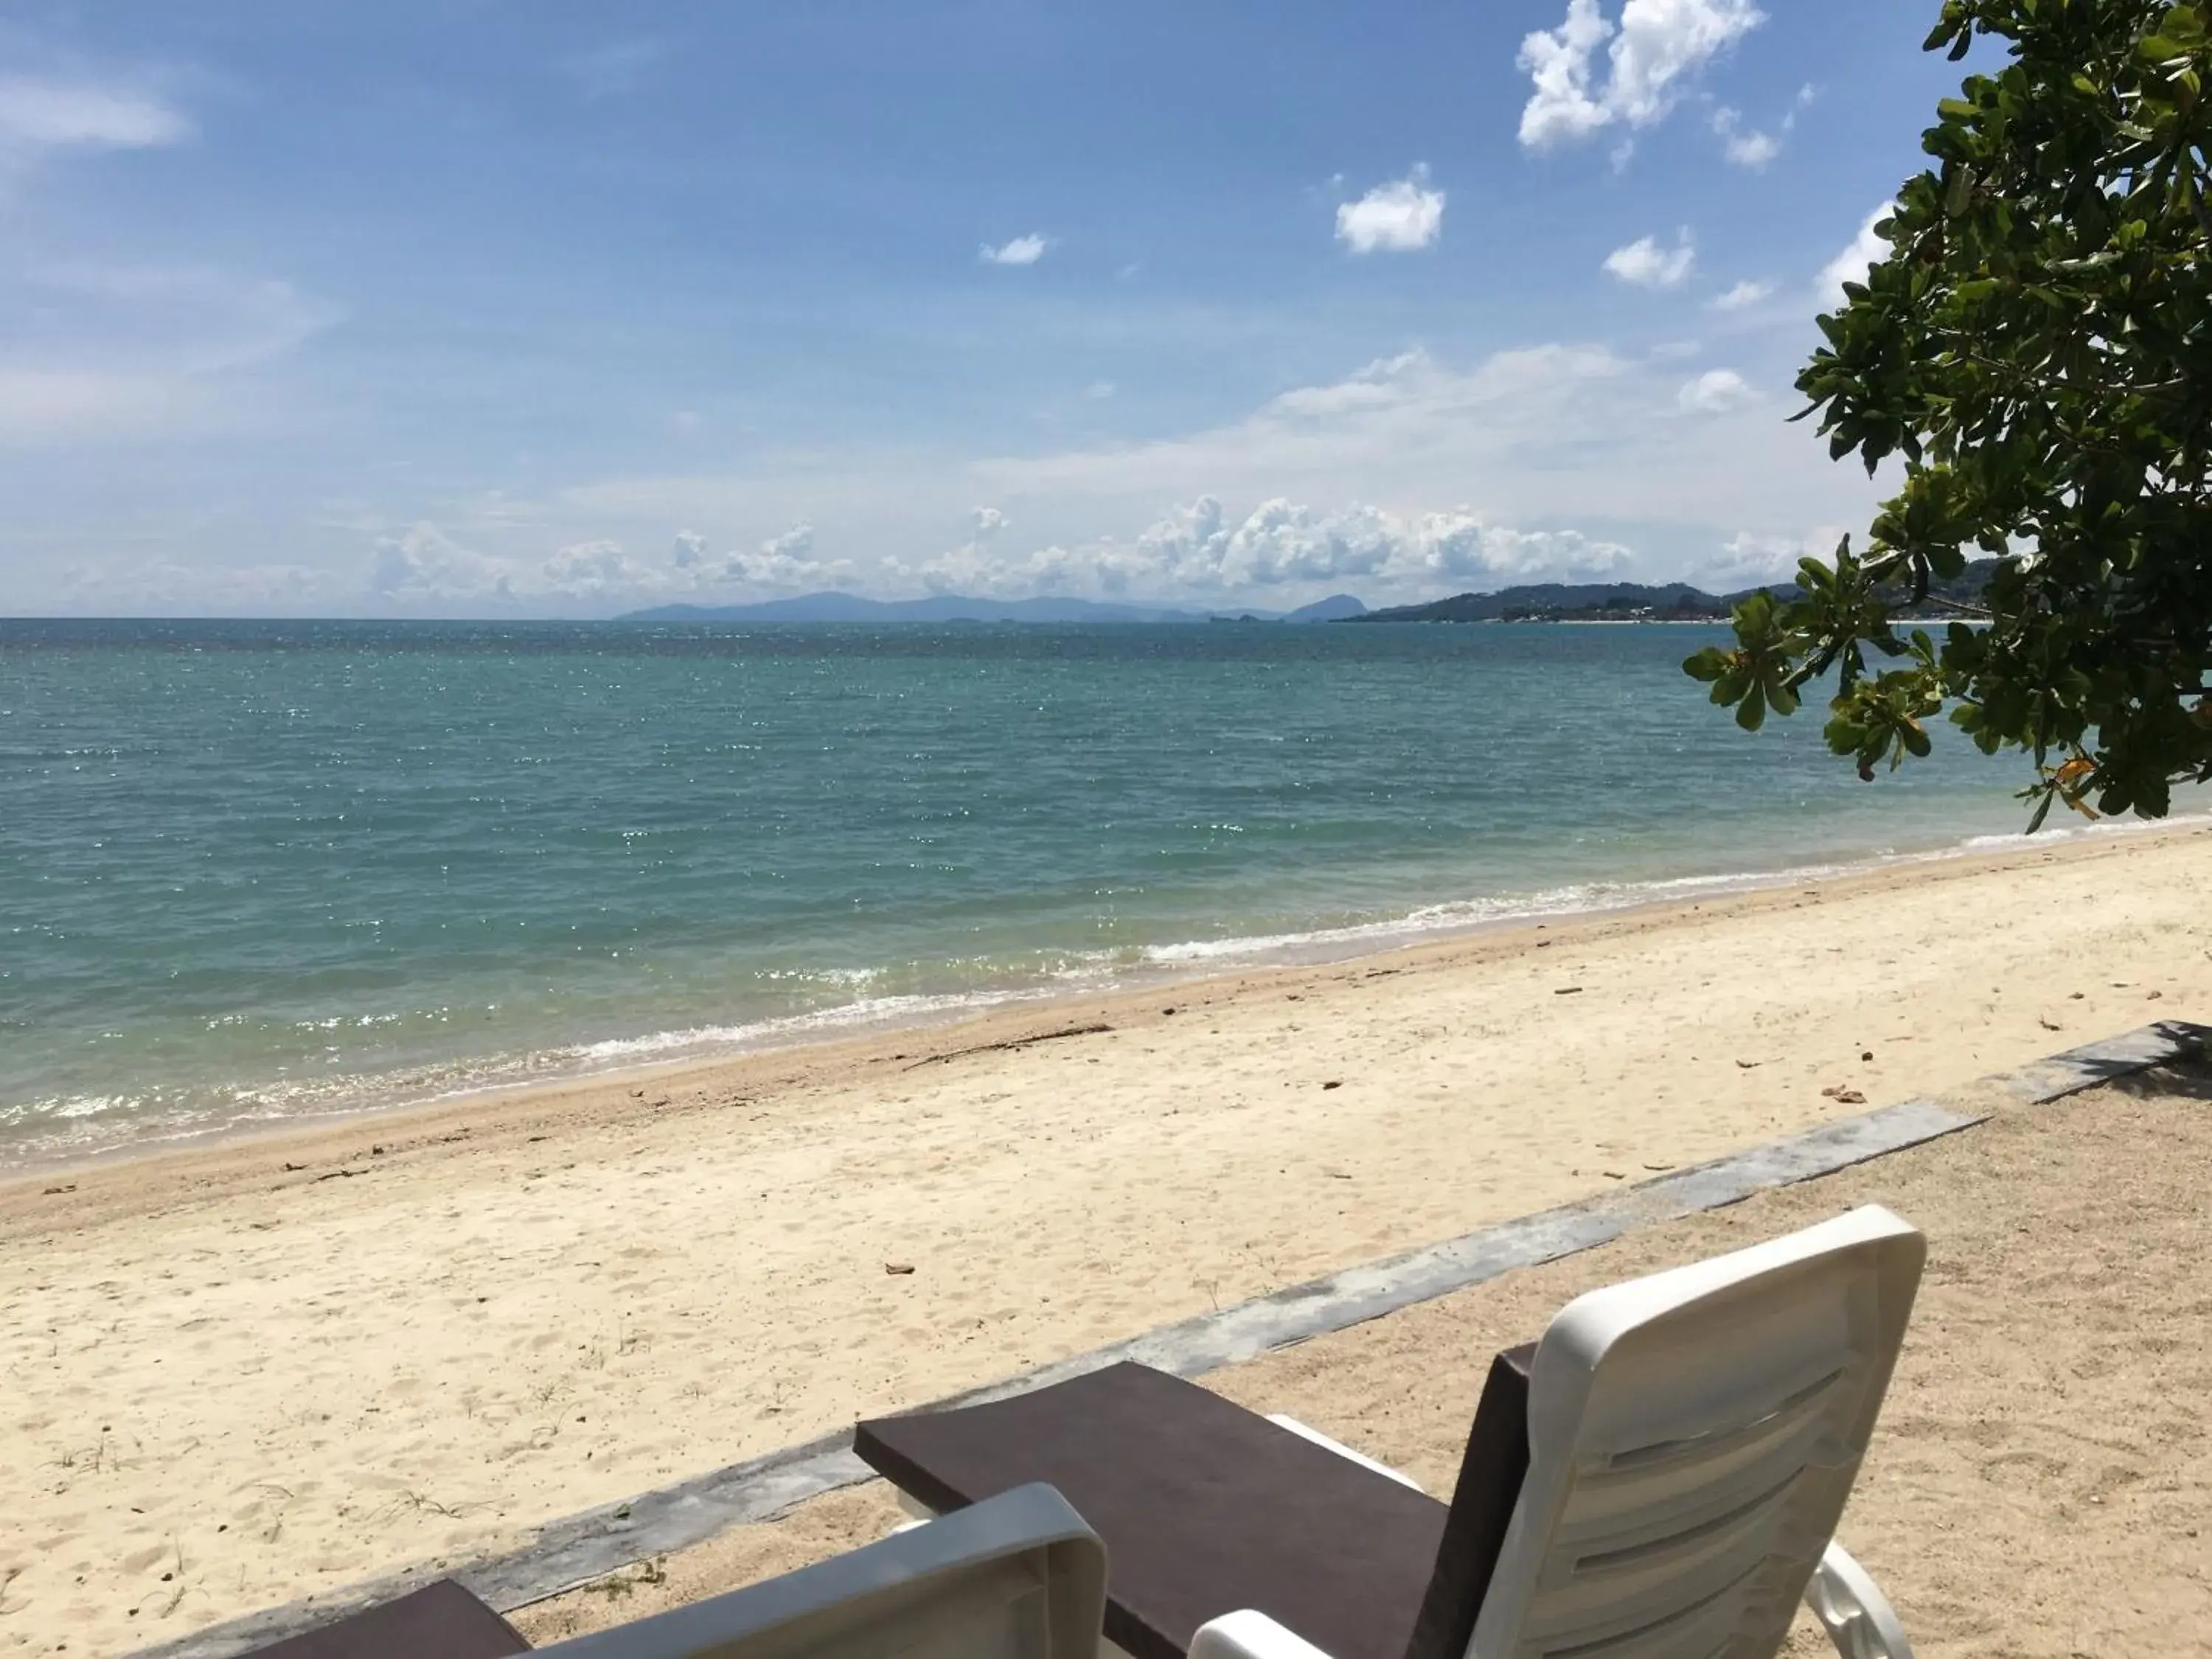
(252, 869)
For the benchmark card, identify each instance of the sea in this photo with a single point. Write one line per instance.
(252, 871)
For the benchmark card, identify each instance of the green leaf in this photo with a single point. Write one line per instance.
(1960, 192)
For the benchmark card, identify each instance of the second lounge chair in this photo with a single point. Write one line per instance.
(1659, 1477)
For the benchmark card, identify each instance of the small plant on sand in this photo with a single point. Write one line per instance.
(647, 1574)
(2036, 348)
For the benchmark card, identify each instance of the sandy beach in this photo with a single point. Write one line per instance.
(240, 1373)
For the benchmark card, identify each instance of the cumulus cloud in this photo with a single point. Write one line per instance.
(784, 561)
(1867, 248)
(1200, 549)
(1657, 49)
(973, 568)
(424, 564)
(1020, 250)
(40, 117)
(1749, 559)
(689, 551)
(1396, 217)
(1715, 392)
(1746, 292)
(1744, 146)
(1644, 263)
(1747, 147)
(594, 570)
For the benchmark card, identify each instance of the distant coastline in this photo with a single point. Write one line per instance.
(1544, 602)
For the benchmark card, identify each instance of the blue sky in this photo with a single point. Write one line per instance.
(522, 308)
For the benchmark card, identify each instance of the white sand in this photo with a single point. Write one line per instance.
(262, 1379)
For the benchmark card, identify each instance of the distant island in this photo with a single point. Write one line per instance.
(1669, 602)
(951, 607)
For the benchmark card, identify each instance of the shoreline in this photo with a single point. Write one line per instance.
(1192, 962)
(497, 1109)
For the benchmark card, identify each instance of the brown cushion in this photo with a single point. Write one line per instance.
(1206, 1508)
(439, 1621)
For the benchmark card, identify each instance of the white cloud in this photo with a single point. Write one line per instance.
(1716, 392)
(1744, 146)
(690, 552)
(1867, 248)
(1749, 147)
(423, 563)
(1021, 251)
(1657, 46)
(973, 569)
(1397, 217)
(1198, 551)
(1099, 391)
(1746, 292)
(784, 561)
(37, 117)
(593, 570)
(1747, 559)
(1644, 263)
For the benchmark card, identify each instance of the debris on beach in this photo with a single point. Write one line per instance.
(1089, 1029)
(898, 1267)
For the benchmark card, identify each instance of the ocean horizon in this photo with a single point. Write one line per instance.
(255, 871)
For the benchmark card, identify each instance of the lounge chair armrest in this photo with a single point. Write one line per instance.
(1321, 1439)
(1250, 1635)
(1851, 1608)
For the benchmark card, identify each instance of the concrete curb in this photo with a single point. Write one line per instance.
(581, 1547)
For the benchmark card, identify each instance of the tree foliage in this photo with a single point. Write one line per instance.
(2037, 349)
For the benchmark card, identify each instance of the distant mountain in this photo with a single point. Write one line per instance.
(1337, 607)
(1639, 601)
(943, 608)
(1548, 601)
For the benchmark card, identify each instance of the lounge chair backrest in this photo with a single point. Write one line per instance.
(1015, 1577)
(1692, 1439)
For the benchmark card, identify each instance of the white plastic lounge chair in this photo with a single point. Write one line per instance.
(1690, 1439)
